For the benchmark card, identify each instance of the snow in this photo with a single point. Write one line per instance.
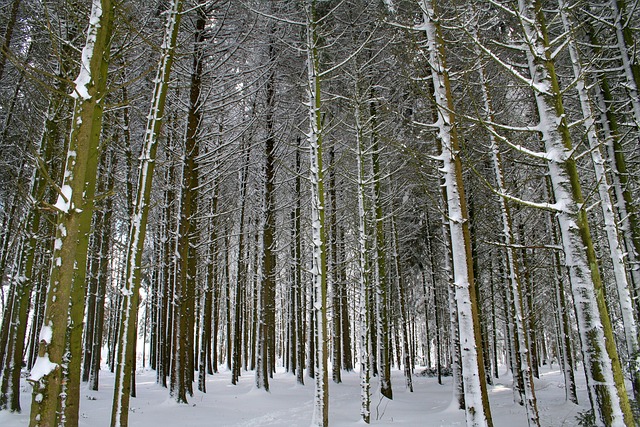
(473, 390)
(46, 333)
(64, 199)
(84, 77)
(42, 367)
(290, 404)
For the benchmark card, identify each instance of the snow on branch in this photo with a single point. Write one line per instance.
(490, 127)
(551, 207)
(510, 68)
(349, 58)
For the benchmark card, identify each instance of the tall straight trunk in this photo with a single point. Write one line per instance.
(404, 324)
(319, 252)
(19, 300)
(529, 310)
(75, 205)
(615, 249)
(99, 276)
(564, 306)
(494, 328)
(332, 228)
(267, 326)
(166, 284)
(345, 329)
(92, 288)
(205, 335)
(522, 372)
(432, 275)
(454, 323)
(228, 313)
(104, 257)
(425, 288)
(438, 323)
(253, 308)
(364, 345)
(215, 283)
(475, 389)
(627, 214)
(188, 236)
(130, 292)
(38, 306)
(76, 326)
(604, 372)
(568, 363)
(486, 356)
(626, 47)
(382, 283)
(176, 340)
(241, 275)
(208, 360)
(298, 286)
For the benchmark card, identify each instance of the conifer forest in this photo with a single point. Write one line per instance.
(328, 189)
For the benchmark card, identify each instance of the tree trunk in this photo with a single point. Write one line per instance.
(606, 385)
(364, 344)
(127, 331)
(319, 253)
(476, 399)
(382, 285)
(241, 276)
(266, 350)
(615, 250)
(75, 205)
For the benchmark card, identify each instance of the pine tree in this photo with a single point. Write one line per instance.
(75, 206)
(128, 324)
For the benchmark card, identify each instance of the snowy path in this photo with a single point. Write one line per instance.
(290, 405)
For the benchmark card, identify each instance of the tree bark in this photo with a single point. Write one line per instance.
(75, 205)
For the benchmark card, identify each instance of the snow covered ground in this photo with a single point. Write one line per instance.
(289, 404)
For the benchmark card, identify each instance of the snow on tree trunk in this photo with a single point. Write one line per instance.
(611, 229)
(363, 303)
(617, 7)
(21, 290)
(626, 212)
(513, 275)
(604, 373)
(74, 205)
(318, 256)
(241, 273)
(475, 392)
(400, 288)
(454, 327)
(130, 291)
(267, 288)
(381, 277)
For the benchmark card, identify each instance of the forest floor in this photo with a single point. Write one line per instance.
(289, 404)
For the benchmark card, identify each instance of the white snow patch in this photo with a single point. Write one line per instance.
(42, 367)
(84, 77)
(291, 404)
(46, 333)
(64, 199)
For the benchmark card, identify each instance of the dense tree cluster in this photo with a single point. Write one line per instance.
(322, 185)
